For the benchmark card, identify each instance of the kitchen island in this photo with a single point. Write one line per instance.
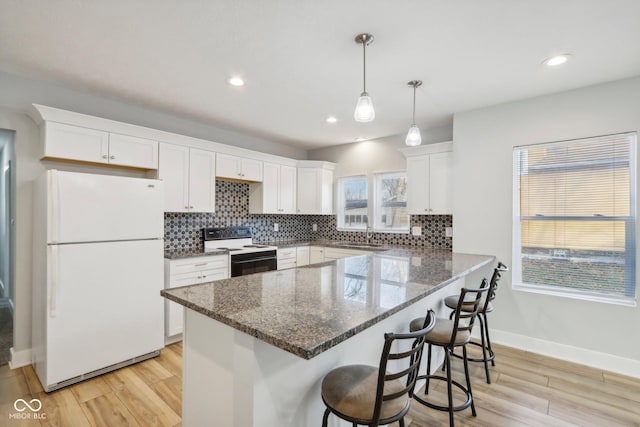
(256, 347)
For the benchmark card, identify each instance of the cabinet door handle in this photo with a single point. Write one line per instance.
(105, 156)
(112, 157)
(190, 207)
(200, 265)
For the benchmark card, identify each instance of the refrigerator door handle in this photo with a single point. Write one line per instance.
(54, 205)
(53, 280)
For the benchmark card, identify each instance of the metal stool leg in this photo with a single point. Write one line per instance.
(486, 331)
(484, 347)
(325, 417)
(426, 386)
(466, 374)
(447, 361)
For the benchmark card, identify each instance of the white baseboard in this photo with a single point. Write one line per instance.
(19, 358)
(172, 339)
(595, 359)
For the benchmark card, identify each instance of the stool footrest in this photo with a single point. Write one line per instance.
(460, 407)
(490, 357)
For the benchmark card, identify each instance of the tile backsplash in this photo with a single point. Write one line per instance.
(184, 230)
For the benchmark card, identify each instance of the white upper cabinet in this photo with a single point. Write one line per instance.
(315, 188)
(189, 178)
(440, 183)
(276, 194)
(234, 167)
(125, 150)
(75, 143)
(202, 180)
(429, 179)
(69, 142)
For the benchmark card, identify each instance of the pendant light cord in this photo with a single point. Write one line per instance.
(414, 105)
(364, 65)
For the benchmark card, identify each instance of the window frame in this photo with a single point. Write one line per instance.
(376, 204)
(340, 205)
(581, 294)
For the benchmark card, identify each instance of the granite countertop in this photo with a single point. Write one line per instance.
(192, 253)
(308, 310)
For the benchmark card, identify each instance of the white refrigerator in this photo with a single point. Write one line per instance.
(98, 272)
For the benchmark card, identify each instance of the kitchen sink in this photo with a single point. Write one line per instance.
(358, 244)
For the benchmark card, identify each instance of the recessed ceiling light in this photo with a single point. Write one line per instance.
(236, 81)
(556, 60)
(332, 119)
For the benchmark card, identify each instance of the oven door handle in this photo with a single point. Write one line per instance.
(254, 260)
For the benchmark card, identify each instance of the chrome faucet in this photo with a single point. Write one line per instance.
(368, 233)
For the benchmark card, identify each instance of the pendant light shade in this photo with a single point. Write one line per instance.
(364, 108)
(413, 136)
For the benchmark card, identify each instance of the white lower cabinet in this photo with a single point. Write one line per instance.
(316, 254)
(287, 258)
(302, 256)
(189, 271)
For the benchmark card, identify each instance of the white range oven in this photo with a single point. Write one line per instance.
(245, 256)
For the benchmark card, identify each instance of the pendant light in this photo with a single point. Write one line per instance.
(364, 109)
(413, 136)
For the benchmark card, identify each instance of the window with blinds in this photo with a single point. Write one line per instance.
(575, 218)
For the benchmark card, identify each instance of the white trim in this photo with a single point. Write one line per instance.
(321, 164)
(575, 294)
(20, 358)
(582, 356)
(438, 147)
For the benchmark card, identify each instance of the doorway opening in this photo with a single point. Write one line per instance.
(7, 241)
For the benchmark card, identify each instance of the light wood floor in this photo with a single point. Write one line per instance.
(527, 390)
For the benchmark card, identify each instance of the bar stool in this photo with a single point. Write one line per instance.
(450, 334)
(485, 307)
(370, 395)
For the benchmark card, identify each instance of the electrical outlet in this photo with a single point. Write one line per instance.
(416, 231)
(448, 231)
(275, 227)
(314, 227)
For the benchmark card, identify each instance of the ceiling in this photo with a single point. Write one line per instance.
(301, 63)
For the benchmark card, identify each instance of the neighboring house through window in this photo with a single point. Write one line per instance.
(574, 229)
(390, 202)
(353, 203)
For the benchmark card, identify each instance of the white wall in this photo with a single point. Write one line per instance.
(597, 334)
(18, 93)
(26, 169)
(378, 155)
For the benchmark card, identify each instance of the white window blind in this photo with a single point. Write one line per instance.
(575, 218)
